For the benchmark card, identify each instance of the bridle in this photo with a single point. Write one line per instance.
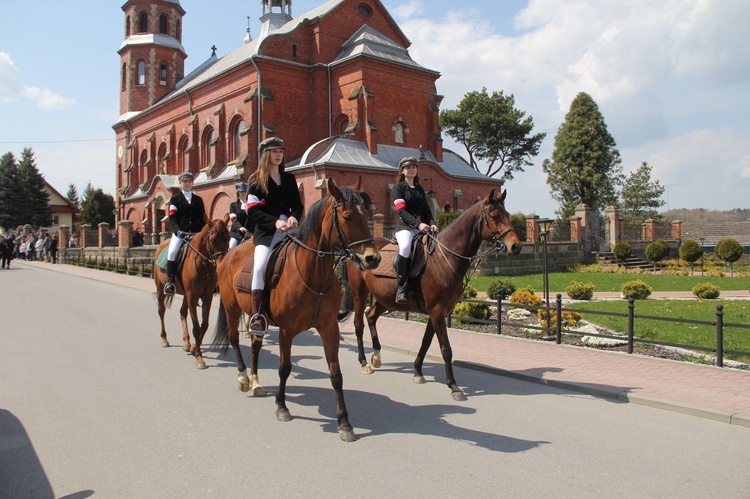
(213, 254)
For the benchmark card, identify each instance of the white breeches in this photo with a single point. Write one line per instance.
(174, 248)
(405, 238)
(261, 260)
(233, 242)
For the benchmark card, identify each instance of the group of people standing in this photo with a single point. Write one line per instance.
(269, 205)
(41, 246)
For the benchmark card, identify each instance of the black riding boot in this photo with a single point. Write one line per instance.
(402, 294)
(171, 271)
(258, 322)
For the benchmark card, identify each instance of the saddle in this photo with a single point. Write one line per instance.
(161, 260)
(275, 267)
(421, 246)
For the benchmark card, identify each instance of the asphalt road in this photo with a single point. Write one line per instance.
(91, 405)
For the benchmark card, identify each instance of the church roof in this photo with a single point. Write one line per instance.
(338, 151)
(369, 42)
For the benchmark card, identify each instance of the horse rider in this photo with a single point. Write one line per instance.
(186, 216)
(414, 217)
(274, 206)
(241, 224)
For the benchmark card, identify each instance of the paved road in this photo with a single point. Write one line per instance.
(91, 405)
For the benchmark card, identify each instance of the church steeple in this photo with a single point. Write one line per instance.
(152, 58)
(272, 20)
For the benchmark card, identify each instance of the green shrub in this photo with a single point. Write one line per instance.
(569, 319)
(637, 290)
(525, 296)
(706, 290)
(622, 251)
(657, 251)
(445, 218)
(500, 287)
(691, 251)
(580, 291)
(519, 226)
(472, 310)
(729, 250)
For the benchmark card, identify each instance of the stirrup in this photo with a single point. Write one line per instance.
(169, 289)
(254, 330)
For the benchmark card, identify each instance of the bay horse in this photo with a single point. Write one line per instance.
(438, 287)
(196, 280)
(306, 294)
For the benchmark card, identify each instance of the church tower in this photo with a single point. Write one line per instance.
(152, 59)
(276, 13)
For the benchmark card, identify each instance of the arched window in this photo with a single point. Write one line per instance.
(163, 24)
(160, 158)
(341, 124)
(124, 77)
(127, 26)
(163, 74)
(143, 23)
(235, 144)
(141, 73)
(182, 154)
(206, 145)
(398, 133)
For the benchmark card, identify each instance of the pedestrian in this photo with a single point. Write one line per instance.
(53, 248)
(240, 224)
(6, 249)
(46, 247)
(274, 206)
(72, 241)
(414, 217)
(39, 248)
(186, 217)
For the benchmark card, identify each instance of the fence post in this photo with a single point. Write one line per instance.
(720, 335)
(499, 313)
(631, 320)
(558, 326)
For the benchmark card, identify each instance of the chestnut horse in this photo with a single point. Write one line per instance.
(196, 280)
(307, 293)
(439, 286)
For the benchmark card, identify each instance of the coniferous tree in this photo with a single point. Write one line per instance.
(640, 197)
(97, 207)
(493, 130)
(72, 196)
(11, 198)
(35, 206)
(585, 165)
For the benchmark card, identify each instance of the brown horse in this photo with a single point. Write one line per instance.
(196, 280)
(438, 287)
(305, 295)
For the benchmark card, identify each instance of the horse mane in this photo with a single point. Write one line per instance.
(317, 211)
(467, 213)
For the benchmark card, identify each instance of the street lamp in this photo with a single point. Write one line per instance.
(544, 226)
(702, 253)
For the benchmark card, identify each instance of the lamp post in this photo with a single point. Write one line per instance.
(544, 225)
(702, 253)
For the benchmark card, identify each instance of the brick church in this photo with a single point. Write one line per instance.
(337, 84)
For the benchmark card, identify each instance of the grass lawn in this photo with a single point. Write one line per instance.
(735, 312)
(558, 281)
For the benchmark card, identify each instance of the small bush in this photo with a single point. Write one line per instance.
(706, 290)
(729, 250)
(637, 290)
(502, 288)
(525, 296)
(444, 219)
(569, 319)
(472, 310)
(622, 251)
(580, 291)
(691, 251)
(657, 251)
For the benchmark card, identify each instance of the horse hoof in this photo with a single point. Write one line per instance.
(244, 387)
(259, 391)
(375, 359)
(347, 435)
(419, 379)
(283, 415)
(201, 366)
(186, 348)
(165, 344)
(367, 369)
(459, 396)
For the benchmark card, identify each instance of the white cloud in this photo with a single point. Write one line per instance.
(11, 89)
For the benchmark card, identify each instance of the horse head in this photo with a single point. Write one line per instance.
(350, 210)
(217, 240)
(496, 225)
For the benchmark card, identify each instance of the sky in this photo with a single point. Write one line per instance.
(671, 78)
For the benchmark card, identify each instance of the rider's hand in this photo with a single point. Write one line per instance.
(281, 225)
(434, 228)
(292, 222)
(424, 227)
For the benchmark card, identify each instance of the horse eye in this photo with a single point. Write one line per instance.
(348, 217)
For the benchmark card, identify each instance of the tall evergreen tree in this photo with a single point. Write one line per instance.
(35, 207)
(586, 165)
(97, 207)
(11, 198)
(72, 196)
(640, 197)
(493, 130)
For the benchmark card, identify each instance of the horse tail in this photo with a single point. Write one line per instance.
(221, 331)
(347, 300)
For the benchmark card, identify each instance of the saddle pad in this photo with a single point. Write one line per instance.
(161, 260)
(273, 270)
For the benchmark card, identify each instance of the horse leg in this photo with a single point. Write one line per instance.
(429, 332)
(183, 321)
(162, 309)
(256, 345)
(372, 318)
(447, 352)
(197, 332)
(358, 295)
(330, 337)
(285, 368)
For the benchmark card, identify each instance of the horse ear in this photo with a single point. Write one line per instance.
(501, 196)
(226, 219)
(489, 197)
(207, 220)
(335, 192)
(358, 186)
